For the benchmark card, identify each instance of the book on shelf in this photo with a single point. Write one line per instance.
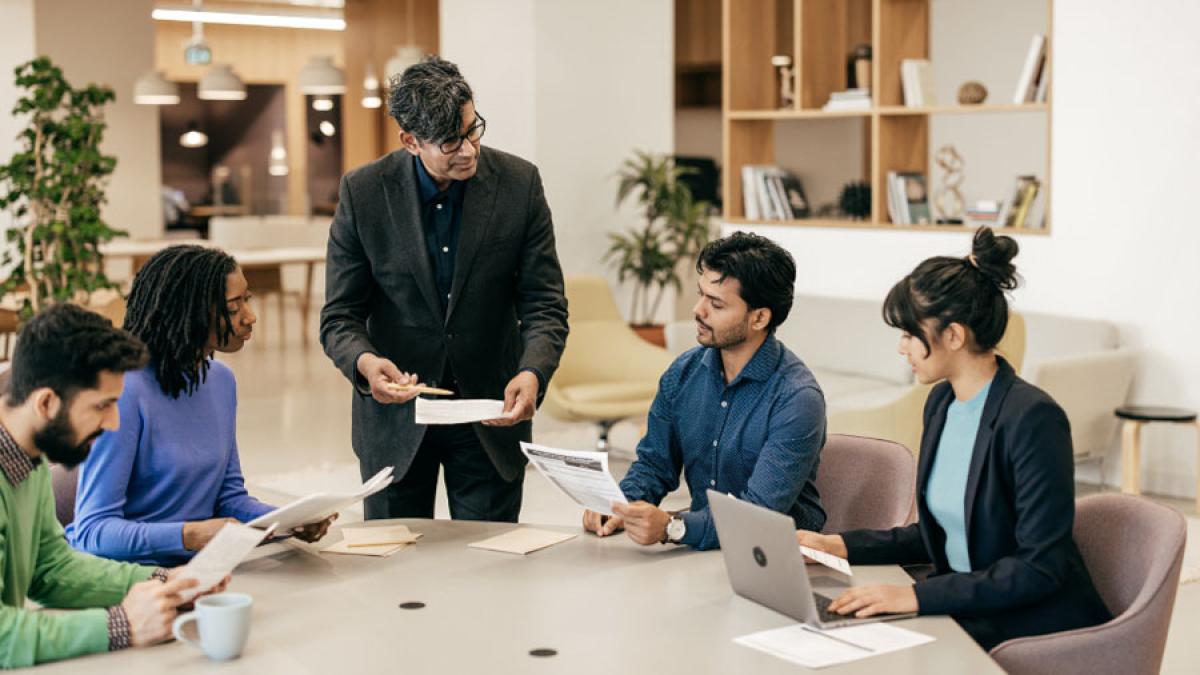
(1032, 71)
(1016, 211)
(916, 80)
(772, 193)
(908, 200)
(850, 99)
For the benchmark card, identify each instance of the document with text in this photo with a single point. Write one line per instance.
(581, 475)
(816, 648)
(218, 558)
(458, 410)
(317, 507)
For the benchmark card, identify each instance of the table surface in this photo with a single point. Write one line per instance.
(1155, 413)
(606, 605)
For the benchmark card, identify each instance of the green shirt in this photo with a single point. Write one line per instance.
(36, 563)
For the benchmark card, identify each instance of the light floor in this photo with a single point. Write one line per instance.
(294, 438)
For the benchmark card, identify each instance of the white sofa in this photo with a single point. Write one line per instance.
(869, 387)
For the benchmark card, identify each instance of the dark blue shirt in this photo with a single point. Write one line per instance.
(441, 217)
(759, 437)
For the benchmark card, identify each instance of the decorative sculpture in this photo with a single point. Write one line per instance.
(948, 200)
(972, 93)
(787, 86)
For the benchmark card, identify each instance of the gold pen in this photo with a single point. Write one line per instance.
(419, 388)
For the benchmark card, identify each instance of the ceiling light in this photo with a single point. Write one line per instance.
(371, 97)
(322, 103)
(327, 128)
(221, 84)
(319, 76)
(193, 137)
(404, 57)
(313, 21)
(154, 89)
(277, 161)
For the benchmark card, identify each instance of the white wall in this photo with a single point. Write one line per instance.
(574, 86)
(112, 43)
(1125, 244)
(16, 47)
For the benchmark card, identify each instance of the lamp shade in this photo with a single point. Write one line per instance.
(371, 97)
(154, 89)
(405, 56)
(319, 76)
(193, 137)
(221, 84)
(277, 160)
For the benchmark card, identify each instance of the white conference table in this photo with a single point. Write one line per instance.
(605, 605)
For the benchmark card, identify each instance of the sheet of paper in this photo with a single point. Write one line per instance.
(321, 505)
(218, 558)
(581, 475)
(375, 536)
(827, 559)
(523, 540)
(814, 648)
(382, 551)
(458, 411)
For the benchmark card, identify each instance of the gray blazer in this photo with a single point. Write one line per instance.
(507, 310)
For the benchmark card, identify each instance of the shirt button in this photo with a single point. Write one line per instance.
(439, 207)
(724, 404)
(445, 249)
(714, 444)
(712, 482)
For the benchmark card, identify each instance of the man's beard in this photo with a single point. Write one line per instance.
(57, 442)
(727, 340)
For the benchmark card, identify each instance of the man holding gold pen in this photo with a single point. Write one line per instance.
(442, 274)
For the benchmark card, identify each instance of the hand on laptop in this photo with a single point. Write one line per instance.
(827, 543)
(865, 601)
(601, 524)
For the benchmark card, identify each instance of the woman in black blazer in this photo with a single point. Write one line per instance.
(995, 513)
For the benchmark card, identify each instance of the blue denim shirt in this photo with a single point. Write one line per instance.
(759, 437)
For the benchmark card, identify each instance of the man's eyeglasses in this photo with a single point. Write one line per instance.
(451, 146)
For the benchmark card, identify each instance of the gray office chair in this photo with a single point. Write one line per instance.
(866, 483)
(64, 482)
(1133, 548)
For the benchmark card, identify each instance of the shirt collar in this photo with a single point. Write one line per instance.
(760, 367)
(428, 188)
(13, 461)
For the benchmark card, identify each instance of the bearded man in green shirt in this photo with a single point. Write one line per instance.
(68, 371)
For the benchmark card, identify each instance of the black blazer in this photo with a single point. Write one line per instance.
(507, 308)
(1027, 576)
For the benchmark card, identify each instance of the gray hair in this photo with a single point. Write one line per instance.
(426, 100)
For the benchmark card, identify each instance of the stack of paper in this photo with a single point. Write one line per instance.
(814, 648)
(373, 541)
(458, 411)
(522, 541)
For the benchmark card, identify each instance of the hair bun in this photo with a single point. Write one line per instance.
(993, 256)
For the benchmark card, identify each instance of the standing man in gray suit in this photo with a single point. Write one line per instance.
(442, 270)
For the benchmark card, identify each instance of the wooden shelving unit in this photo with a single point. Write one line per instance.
(818, 35)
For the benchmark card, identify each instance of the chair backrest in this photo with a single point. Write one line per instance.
(1133, 550)
(866, 483)
(64, 482)
(1012, 343)
(590, 299)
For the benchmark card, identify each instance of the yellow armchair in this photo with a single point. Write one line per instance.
(607, 373)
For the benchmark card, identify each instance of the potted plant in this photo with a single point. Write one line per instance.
(675, 227)
(54, 187)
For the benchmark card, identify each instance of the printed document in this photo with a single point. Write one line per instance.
(319, 506)
(218, 558)
(458, 411)
(816, 648)
(827, 559)
(581, 475)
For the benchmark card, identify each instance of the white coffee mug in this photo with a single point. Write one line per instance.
(223, 622)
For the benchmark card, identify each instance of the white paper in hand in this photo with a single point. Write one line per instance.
(317, 507)
(581, 475)
(218, 558)
(458, 411)
(827, 559)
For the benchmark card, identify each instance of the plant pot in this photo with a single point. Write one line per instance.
(652, 333)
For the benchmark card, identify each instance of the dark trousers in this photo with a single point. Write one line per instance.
(473, 487)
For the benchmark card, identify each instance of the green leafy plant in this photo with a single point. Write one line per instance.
(675, 228)
(54, 187)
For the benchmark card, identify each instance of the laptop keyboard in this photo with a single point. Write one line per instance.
(823, 612)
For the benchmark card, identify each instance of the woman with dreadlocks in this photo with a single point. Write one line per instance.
(162, 485)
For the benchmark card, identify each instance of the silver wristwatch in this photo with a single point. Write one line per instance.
(676, 529)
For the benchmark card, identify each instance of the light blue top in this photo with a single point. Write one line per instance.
(172, 461)
(946, 491)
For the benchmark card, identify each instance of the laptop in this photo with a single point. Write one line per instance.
(765, 564)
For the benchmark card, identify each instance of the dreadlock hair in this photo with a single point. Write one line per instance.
(177, 297)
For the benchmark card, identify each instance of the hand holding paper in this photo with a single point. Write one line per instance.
(581, 475)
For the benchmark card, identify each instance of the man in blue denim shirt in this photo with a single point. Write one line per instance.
(738, 414)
